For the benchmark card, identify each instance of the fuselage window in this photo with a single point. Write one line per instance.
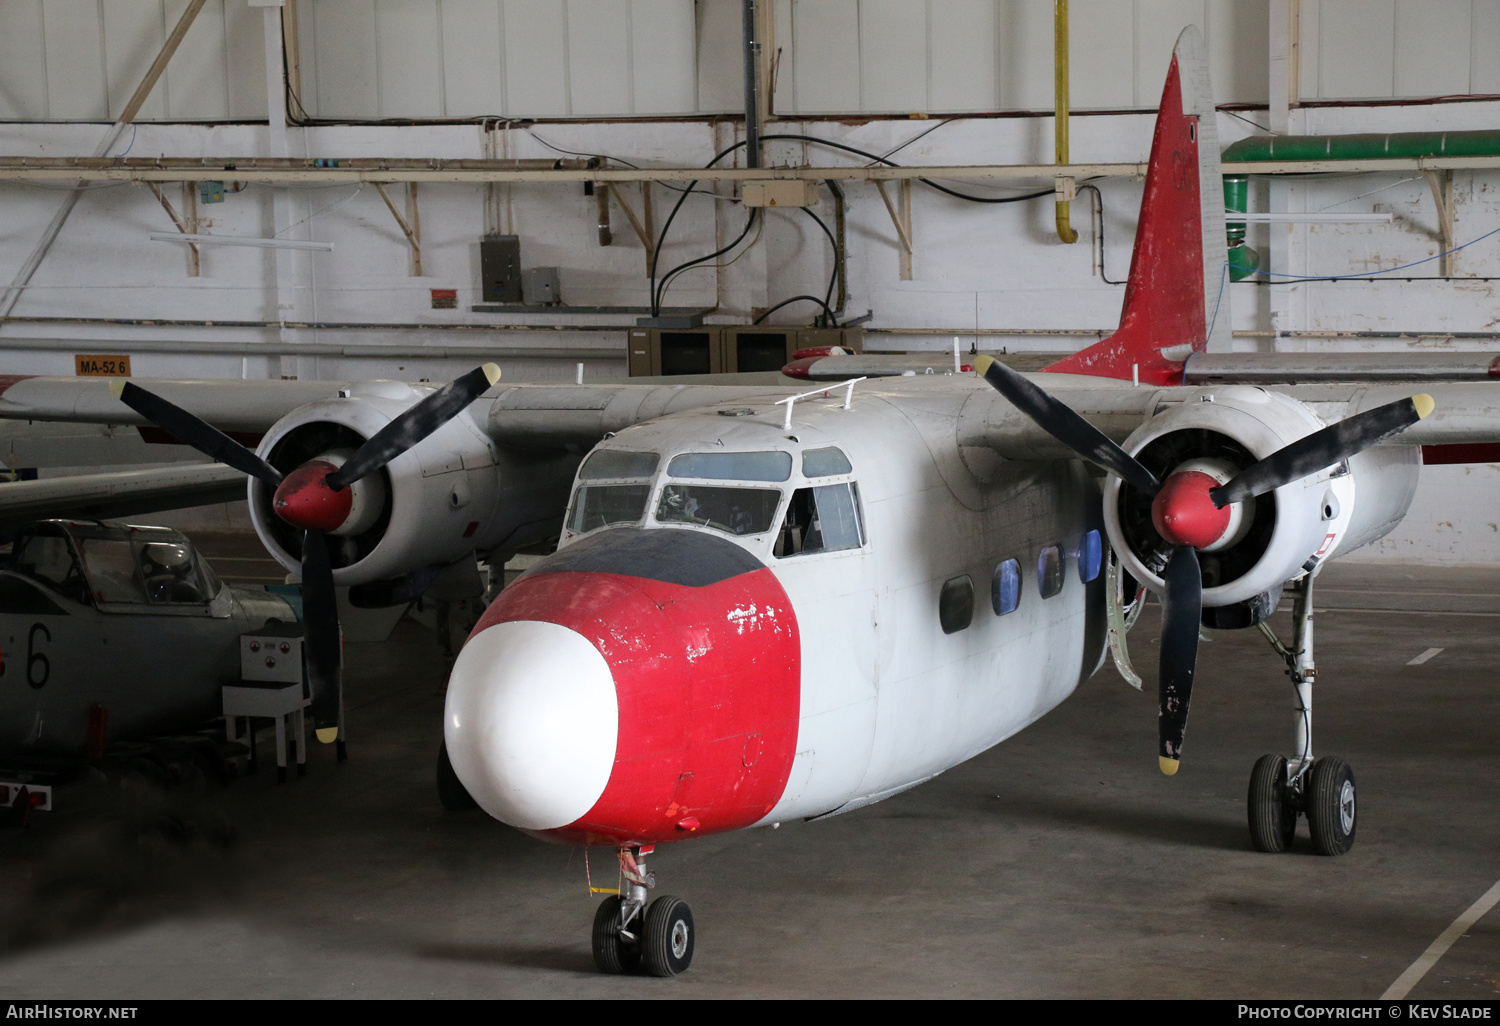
(1090, 556)
(824, 518)
(1049, 571)
(732, 466)
(828, 462)
(616, 463)
(1005, 587)
(956, 604)
(596, 506)
(731, 510)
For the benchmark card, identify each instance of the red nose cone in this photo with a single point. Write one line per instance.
(304, 500)
(1184, 514)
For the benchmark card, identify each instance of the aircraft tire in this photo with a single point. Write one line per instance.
(1330, 805)
(451, 791)
(1273, 820)
(611, 953)
(667, 944)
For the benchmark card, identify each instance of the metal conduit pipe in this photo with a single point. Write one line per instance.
(268, 349)
(1065, 230)
(1365, 146)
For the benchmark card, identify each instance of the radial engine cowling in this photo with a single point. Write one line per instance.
(429, 505)
(1250, 549)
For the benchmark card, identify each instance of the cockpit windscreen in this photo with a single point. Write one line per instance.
(731, 510)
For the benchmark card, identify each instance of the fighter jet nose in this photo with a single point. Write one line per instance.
(531, 723)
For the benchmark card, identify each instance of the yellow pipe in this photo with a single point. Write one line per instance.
(1065, 230)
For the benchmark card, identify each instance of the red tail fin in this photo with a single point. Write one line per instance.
(1177, 294)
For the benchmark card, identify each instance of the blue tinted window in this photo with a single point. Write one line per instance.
(1090, 556)
(608, 463)
(1005, 587)
(733, 466)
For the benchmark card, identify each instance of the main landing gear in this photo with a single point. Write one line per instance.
(1280, 788)
(631, 935)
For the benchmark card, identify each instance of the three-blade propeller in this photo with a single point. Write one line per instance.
(315, 497)
(1190, 512)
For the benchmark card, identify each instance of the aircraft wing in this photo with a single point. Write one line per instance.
(119, 494)
(1466, 413)
(232, 406)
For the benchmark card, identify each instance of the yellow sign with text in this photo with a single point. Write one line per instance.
(102, 366)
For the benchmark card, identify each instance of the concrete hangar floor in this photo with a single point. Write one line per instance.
(1060, 864)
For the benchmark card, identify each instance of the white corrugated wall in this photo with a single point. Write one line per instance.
(368, 59)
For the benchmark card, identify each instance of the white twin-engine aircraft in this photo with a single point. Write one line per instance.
(766, 605)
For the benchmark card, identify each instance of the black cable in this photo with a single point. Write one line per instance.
(661, 239)
(834, 277)
(1099, 206)
(891, 163)
(667, 278)
(796, 299)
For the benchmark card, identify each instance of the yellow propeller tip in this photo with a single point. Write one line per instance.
(492, 371)
(1168, 766)
(327, 735)
(1424, 404)
(981, 364)
(117, 387)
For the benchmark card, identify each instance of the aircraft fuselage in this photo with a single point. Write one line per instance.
(670, 674)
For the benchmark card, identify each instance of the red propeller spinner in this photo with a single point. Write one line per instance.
(1184, 514)
(304, 498)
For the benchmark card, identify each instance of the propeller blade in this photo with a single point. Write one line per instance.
(415, 424)
(1322, 449)
(191, 430)
(1181, 613)
(1065, 425)
(320, 615)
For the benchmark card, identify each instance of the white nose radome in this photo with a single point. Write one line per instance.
(531, 723)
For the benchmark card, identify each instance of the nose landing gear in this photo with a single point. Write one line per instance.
(630, 934)
(1321, 789)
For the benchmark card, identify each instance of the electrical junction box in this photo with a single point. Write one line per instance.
(500, 268)
(273, 653)
(539, 286)
(794, 192)
(210, 192)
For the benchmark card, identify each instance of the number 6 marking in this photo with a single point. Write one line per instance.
(33, 657)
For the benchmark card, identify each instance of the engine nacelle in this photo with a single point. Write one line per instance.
(1273, 536)
(429, 505)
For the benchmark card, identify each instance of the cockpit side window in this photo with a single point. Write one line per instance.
(174, 574)
(824, 518)
(111, 569)
(826, 462)
(49, 558)
(618, 502)
(596, 506)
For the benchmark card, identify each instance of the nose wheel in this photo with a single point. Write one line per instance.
(1320, 789)
(633, 934)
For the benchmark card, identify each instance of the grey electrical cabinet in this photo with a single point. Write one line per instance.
(658, 351)
(500, 268)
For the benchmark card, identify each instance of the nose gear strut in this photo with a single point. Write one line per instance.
(630, 934)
